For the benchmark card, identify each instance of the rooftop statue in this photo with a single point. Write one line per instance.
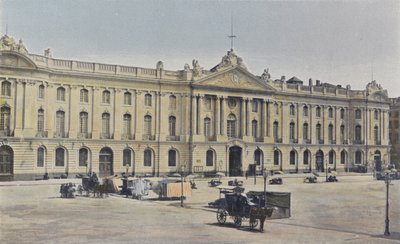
(8, 43)
(231, 59)
(266, 75)
(197, 69)
(160, 65)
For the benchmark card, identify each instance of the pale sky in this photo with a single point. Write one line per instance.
(340, 42)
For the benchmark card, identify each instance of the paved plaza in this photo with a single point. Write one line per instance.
(350, 211)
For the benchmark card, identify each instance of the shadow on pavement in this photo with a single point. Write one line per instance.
(232, 226)
(393, 236)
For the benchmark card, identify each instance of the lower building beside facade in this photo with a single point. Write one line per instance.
(68, 117)
(395, 132)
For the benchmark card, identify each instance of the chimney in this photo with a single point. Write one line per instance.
(310, 82)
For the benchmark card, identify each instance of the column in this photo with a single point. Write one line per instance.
(248, 129)
(223, 118)
(267, 118)
(262, 118)
(200, 115)
(217, 116)
(194, 115)
(242, 118)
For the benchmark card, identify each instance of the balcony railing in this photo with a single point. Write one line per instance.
(84, 135)
(127, 137)
(307, 141)
(294, 141)
(173, 138)
(106, 136)
(211, 138)
(5, 133)
(60, 135)
(278, 140)
(345, 142)
(42, 133)
(320, 141)
(378, 143)
(258, 139)
(358, 142)
(149, 137)
(332, 142)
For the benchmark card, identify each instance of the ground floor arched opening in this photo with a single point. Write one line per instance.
(235, 161)
(105, 162)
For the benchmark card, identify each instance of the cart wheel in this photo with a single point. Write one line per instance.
(254, 223)
(221, 216)
(237, 220)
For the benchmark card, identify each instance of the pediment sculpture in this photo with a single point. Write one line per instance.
(8, 43)
(231, 59)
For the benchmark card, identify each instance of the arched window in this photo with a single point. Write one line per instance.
(83, 122)
(305, 110)
(60, 157)
(332, 157)
(276, 130)
(105, 122)
(60, 123)
(40, 157)
(258, 157)
(147, 157)
(318, 111)
(342, 115)
(318, 131)
(306, 157)
(343, 157)
(254, 128)
(358, 134)
(330, 112)
(292, 110)
(231, 126)
(376, 135)
(358, 114)
(147, 100)
(210, 157)
(83, 157)
(305, 131)
(277, 157)
(376, 114)
(172, 125)
(330, 132)
(127, 157)
(126, 130)
(84, 96)
(171, 158)
(147, 125)
(41, 92)
(291, 131)
(40, 120)
(358, 157)
(6, 88)
(207, 127)
(106, 98)
(172, 102)
(293, 158)
(61, 94)
(127, 98)
(342, 134)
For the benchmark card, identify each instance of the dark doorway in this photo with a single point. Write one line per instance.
(319, 160)
(6, 160)
(105, 162)
(235, 161)
(378, 161)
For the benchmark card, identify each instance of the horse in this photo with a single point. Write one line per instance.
(100, 190)
(261, 214)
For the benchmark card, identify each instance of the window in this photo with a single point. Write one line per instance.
(60, 157)
(254, 106)
(358, 114)
(342, 115)
(331, 157)
(106, 98)
(172, 102)
(83, 122)
(276, 130)
(147, 100)
(258, 157)
(207, 127)
(318, 131)
(60, 123)
(105, 122)
(232, 102)
(342, 131)
(376, 135)
(343, 157)
(83, 157)
(171, 158)
(376, 114)
(306, 157)
(358, 133)
(6, 88)
(277, 157)
(40, 120)
(84, 96)
(40, 157)
(207, 102)
(127, 98)
(126, 130)
(41, 92)
(147, 157)
(254, 128)
(127, 157)
(292, 159)
(330, 112)
(292, 111)
(330, 132)
(276, 108)
(358, 157)
(60, 94)
(305, 131)
(210, 157)
(318, 111)
(231, 126)
(147, 125)
(305, 111)
(172, 125)
(291, 131)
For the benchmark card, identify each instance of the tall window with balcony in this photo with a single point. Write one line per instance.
(357, 136)
(258, 157)
(318, 132)
(254, 125)
(41, 92)
(147, 127)
(207, 103)
(105, 128)
(231, 130)
(40, 157)
(83, 157)
(330, 112)
(305, 131)
(127, 98)
(147, 157)
(376, 115)
(330, 133)
(358, 113)
(305, 111)
(6, 88)
(127, 157)
(60, 124)
(172, 102)
(60, 157)
(292, 110)
(254, 106)
(61, 94)
(342, 113)
(40, 123)
(318, 111)
(83, 124)
(276, 131)
(207, 127)
(106, 97)
(126, 130)
(171, 158)
(276, 108)
(210, 157)
(292, 132)
(147, 100)
(172, 125)
(342, 134)
(376, 135)
(84, 96)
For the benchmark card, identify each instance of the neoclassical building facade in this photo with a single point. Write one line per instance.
(67, 117)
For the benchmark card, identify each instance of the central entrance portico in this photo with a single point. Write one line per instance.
(235, 161)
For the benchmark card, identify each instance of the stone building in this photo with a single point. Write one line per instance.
(395, 131)
(67, 117)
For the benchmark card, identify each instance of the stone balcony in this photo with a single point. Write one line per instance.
(60, 134)
(106, 136)
(84, 135)
(127, 137)
(173, 138)
(148, 137)
(42, 134)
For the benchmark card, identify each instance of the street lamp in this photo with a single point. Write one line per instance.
(255, 173)
(326, 170)
(387, 182)
(265, 174)
(182, 172)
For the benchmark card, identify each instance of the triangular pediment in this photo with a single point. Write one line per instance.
(15, 60)
(234, 78)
